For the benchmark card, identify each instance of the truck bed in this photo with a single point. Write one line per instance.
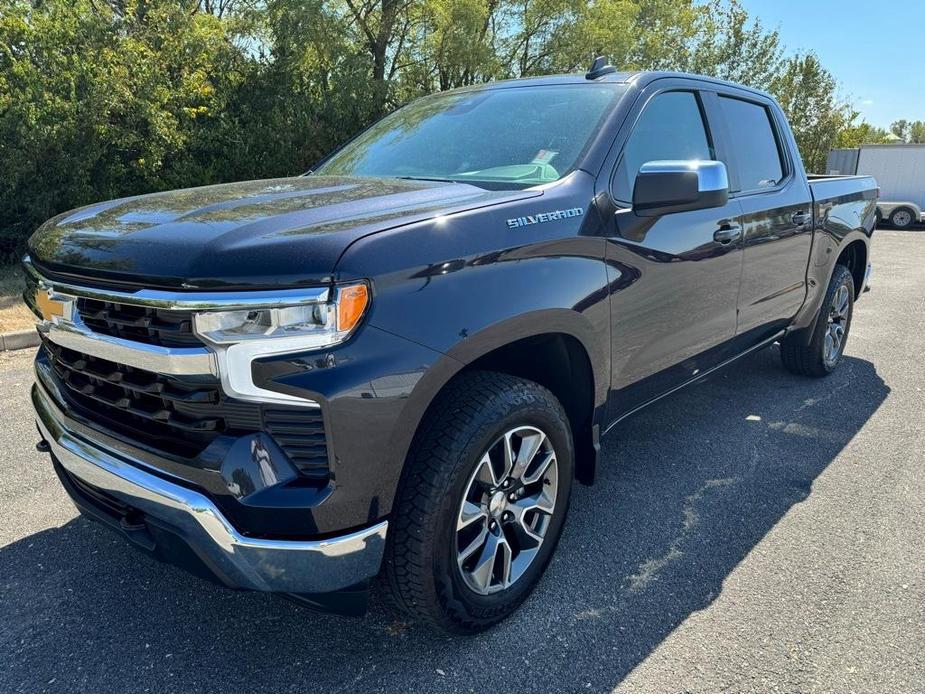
(842, 189)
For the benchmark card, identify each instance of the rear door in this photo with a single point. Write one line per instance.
(673, 285)
(776, 206)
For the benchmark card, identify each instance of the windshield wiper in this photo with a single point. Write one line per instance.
(426, 178)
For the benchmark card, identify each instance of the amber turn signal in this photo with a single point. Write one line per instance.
(351, 303)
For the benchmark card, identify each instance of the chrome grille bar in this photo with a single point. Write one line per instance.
(55, 305)
(184, 301)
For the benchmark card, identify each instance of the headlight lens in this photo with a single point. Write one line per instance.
(319, 324)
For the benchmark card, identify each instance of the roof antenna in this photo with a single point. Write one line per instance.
(599, 68)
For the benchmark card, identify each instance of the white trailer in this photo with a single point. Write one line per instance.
(900, 172)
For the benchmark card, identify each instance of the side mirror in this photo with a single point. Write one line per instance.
(663, 187)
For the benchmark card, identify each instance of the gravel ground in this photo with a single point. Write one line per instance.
(760, 532)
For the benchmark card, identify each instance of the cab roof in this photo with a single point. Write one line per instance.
(639, 78)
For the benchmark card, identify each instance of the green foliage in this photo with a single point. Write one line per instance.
(97, 104)
(107, 98)
(809, 96)
(912, 132)
(737, 48)
(862, 133)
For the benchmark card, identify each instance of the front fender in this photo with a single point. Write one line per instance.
(464, 286)
(467, 284)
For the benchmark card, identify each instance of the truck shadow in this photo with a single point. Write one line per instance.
(685, 491)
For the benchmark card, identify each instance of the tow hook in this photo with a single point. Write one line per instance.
(43, 447)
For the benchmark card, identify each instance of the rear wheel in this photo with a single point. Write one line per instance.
(827, 345)
(482, 502)
(902, 218)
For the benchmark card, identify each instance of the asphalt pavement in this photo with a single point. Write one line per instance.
(758, 532)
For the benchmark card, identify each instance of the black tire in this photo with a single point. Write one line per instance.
(420, 569)
(902, 218)
(814, 359)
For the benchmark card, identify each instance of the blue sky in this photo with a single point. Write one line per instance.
(876, 50)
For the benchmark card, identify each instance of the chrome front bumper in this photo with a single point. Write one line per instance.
(289, 566)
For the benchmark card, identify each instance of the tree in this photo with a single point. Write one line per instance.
(732, 46)
(917, 132)
(662, 35)
(454, 45)
(900, 129)
(862, 133)
(912, 132)
(106, 98)
(382, 28)
(99, 102)
(565, 35)
(808, 94)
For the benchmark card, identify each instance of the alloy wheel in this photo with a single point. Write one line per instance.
(509, 501)
(837, 325)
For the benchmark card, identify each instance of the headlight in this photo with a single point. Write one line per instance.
(239, 336)
(319, 324)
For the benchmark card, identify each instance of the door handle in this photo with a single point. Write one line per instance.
(727, 233)
(800, 218)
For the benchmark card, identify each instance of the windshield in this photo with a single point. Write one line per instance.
(520, 135)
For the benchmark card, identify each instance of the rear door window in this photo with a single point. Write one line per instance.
(753, 143)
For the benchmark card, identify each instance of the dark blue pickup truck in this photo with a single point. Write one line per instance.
(395, 366)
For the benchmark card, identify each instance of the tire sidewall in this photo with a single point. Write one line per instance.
(841, 277)
(451, 588)
(902, 226)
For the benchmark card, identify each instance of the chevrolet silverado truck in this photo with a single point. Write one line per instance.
(389, 371)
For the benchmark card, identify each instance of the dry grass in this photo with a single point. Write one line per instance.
(13, 312)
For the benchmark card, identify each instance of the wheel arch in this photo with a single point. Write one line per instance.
(830, 250)
(854, 257)
(560, 352)
(559, 363)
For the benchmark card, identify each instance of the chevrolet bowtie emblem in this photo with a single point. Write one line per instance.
(48, 307)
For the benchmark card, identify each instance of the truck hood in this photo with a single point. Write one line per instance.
(285, 232)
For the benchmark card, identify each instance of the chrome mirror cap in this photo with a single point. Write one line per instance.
(666, 187)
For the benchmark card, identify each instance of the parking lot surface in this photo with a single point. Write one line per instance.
(758, 532)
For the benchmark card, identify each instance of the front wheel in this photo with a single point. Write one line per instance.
(827, 344)
(481, 504)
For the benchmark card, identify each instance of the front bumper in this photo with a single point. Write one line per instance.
(169, 509)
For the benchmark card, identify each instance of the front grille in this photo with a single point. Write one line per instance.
(179, 416)
(153, 326)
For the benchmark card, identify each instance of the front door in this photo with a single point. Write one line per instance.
(674, 279)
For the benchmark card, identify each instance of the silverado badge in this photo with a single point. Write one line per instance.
(544, 217)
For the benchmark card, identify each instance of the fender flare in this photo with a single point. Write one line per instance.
(473, 347)
(804, 323)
